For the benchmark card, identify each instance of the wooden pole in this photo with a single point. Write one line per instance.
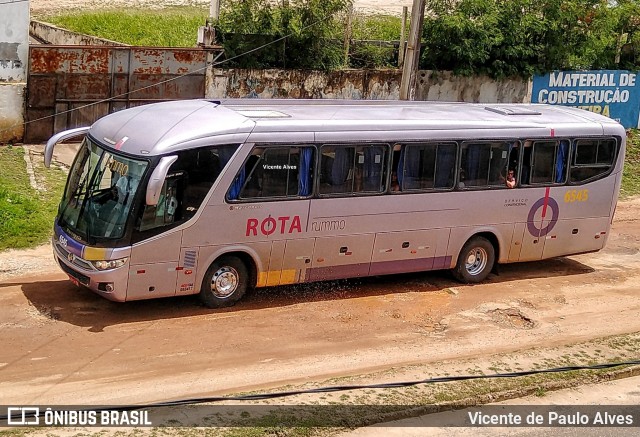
(410, 67)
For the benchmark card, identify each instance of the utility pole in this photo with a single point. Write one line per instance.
(214, 9)
(207, 33)
(347, 34)
(410, 67)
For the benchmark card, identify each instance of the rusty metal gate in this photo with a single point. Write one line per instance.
(73, 86)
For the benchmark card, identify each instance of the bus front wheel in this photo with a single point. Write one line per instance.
(224, 283)
(475, 261)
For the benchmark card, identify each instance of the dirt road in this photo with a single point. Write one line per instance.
(65, 345)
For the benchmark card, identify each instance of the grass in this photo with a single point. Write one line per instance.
(170, 27)
(377, 27)
(26, 214)
(178, 26)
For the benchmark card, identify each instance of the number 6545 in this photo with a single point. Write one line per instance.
(576, 196)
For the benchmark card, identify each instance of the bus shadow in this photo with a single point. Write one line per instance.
(60, 300)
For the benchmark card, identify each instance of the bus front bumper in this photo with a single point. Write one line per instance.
(110, 284)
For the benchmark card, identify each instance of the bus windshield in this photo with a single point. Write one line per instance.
(99, 194)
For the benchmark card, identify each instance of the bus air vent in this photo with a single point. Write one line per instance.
(506, 110)
(190, 258)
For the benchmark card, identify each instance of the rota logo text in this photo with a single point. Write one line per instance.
(272, 225)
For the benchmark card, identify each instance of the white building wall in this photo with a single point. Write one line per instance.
(14, 55)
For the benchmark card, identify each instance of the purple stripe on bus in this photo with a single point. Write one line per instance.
(410, 265)
(377, 268)
(337, 272)
(441, 262)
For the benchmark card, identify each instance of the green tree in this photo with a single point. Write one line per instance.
(626, 17)
(520, 37)
(460, 36)
(294, 34)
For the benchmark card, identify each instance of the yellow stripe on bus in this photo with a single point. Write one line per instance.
(262, 279)
(276, 277)
(273, 278)
(288, 277)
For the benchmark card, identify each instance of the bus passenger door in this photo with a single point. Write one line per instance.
(344, 256)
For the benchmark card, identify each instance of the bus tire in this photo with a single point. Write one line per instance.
(475, 261)
(224, 283)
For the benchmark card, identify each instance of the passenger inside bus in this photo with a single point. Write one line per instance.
(395, 186)
(167, 206)
(510, 181)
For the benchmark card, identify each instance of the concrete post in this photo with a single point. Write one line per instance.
(412, 57)
(14, 53)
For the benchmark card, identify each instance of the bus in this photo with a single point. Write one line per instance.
(216, 197)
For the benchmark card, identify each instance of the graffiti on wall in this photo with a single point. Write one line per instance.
(9, 55)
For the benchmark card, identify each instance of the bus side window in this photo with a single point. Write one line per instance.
(353, 169)
(166, 211)
(373, 163)
(486, 164)
(426, 166)
(275, 172)
(445, 165)
(549, 162)
(337, 169)
(592, 159)
(190, 180)
(500, 162)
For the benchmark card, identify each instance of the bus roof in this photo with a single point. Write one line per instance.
(159, 128)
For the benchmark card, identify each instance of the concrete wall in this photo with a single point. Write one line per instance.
(303, 84)
(445, 86)
(45, 33)
(14, 52)
(361, 84)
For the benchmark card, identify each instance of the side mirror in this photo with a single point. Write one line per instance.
(61, 136)
(154, 188)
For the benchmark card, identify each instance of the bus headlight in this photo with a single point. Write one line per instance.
(111, 264)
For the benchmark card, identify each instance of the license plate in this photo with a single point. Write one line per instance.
(74, 280)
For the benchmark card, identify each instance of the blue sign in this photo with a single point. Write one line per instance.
(614, 93)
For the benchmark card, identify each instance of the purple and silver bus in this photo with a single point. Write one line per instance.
(211, 198)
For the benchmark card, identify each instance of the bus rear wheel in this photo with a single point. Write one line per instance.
(224, 283)
(475, 261)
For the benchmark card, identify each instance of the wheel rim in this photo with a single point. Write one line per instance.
(224, 282)
(476, 262)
